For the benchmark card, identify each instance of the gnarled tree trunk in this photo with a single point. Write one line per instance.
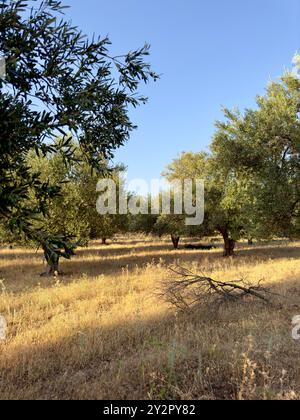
(104, 241)
(229, 243)
(175, 241)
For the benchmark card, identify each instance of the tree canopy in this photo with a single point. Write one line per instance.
(260, 150)
(58, 82)
(252, 172)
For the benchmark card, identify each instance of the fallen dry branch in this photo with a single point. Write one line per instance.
(190, 289)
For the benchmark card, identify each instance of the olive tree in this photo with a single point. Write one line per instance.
(58, 82)
(260, 151)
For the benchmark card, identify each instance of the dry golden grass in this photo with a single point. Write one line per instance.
(101, 332)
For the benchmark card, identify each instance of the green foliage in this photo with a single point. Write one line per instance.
(170, 225)
(100, 226)
(252, 175)
(64, 215)
(142, 223)
(72, 213)
(260, 151)
(57, 82)
(220, 212)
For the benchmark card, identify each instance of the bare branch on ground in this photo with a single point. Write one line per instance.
(187, 290)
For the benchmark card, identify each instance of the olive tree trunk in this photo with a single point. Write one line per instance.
(175, 241)
(229, 243)
(52, 264)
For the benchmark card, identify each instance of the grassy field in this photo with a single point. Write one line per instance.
(102, 332)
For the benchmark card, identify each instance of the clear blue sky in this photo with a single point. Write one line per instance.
(210, 53)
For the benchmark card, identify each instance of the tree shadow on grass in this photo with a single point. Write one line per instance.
(19, 275)
(132, 359)
(116, 249)
(122, 248)
(116, 263)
